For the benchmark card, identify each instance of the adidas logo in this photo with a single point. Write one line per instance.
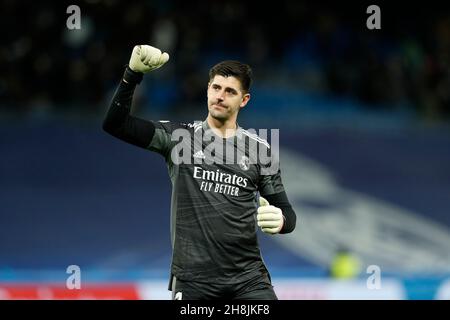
(199, 154)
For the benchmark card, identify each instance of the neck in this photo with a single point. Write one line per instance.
(224, 129)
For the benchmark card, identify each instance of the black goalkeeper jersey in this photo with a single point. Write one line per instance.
(214, 191)
(213, 211)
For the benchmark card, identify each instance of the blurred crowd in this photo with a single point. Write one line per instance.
(45, 67)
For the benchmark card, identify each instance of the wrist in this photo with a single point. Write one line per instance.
(131, 76)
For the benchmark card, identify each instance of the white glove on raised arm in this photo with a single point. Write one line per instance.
(146, 58)
(270, 218)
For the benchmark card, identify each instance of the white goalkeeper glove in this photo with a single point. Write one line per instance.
(147, 58)
(270, 218)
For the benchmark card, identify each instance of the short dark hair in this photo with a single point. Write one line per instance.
(239, 70)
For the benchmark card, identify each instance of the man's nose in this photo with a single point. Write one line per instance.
(221, 95)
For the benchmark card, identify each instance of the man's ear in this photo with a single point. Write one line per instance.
(245, 100)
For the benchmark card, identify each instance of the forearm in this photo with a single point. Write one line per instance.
(118, 121)
(281, 201)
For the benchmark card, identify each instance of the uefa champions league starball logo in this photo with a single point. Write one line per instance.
(244, 164)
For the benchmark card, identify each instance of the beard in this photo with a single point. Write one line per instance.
(220, 114)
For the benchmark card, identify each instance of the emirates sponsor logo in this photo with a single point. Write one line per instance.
(219, 182)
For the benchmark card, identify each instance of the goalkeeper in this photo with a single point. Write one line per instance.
(214, 210)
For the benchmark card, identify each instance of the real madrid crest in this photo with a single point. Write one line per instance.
(244, 163)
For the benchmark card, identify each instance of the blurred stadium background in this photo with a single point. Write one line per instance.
(364, 130)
